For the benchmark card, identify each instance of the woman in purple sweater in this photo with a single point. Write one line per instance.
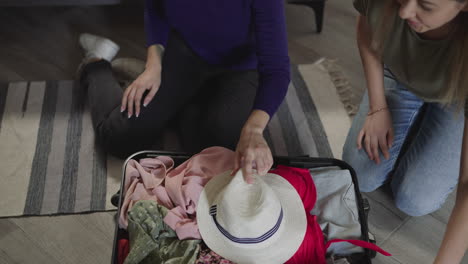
(224, 72)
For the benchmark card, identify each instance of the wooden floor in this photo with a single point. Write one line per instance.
(39, 43)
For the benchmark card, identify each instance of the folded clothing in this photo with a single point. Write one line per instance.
(177, 189)
(336, 208)
(153, 241)
(208, 256)
(313, 248)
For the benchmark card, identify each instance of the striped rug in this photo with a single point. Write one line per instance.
(50, 164)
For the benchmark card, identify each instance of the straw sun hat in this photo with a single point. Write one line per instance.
(263, 222)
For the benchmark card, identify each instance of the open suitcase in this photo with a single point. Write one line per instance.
(298, 162)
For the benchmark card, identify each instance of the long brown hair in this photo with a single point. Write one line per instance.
(457, 75)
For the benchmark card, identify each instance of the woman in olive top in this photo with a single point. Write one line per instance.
(410, 126)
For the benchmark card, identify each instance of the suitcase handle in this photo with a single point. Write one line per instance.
(307, 162)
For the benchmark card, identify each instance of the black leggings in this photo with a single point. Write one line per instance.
(209, 104)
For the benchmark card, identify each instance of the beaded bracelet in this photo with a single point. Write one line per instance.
(376, 111)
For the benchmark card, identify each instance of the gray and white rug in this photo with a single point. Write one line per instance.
(50, 164)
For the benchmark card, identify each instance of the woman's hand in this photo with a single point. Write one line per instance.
(150, 80)
(252, 150)
(376, 133)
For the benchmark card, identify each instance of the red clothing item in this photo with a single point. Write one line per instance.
(313, 248)
(122, 250)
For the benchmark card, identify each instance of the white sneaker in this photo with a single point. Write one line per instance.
(98, 47)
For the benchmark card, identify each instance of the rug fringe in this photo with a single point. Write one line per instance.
(342, 85)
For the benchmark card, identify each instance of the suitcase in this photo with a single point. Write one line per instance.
(298, 162)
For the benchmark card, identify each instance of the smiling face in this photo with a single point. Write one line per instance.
(427, 16)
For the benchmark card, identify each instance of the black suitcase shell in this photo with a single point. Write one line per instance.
(298, 162)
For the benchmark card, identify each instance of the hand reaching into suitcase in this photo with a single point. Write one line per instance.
(252, 150)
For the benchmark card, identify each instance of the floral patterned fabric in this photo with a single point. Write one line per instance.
(207, 256)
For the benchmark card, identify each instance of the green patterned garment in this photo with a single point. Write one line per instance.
(152, 241)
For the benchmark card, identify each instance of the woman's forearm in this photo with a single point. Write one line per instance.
(455, 241)
(256, 122)
(154, 57)
(372, 64)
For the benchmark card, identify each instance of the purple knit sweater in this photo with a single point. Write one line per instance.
(237, 34)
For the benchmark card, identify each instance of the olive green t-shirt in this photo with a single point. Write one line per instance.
(421, 65)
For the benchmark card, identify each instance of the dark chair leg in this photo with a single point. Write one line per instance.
(318, 7)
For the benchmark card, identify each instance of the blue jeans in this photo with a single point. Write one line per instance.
(426, 171)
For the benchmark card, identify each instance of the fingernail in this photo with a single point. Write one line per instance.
(121, 109)
(129, 115)
(145, 104)
(137, 115)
